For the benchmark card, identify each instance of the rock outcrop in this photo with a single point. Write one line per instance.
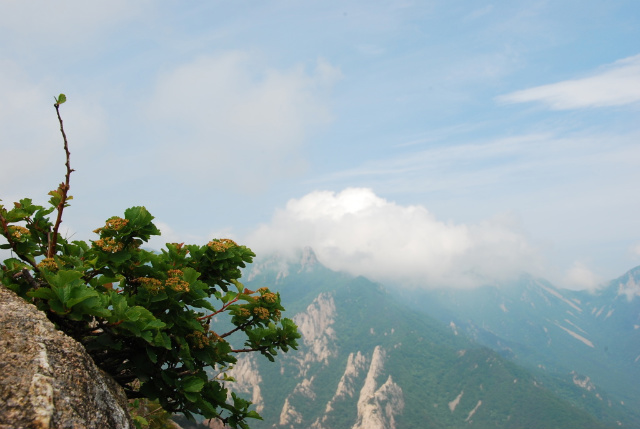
(315, 326)
(377, 407)
(47, 379)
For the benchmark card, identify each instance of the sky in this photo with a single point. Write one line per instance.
(420, 143)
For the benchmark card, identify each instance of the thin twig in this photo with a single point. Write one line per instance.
(236, 329)
(154, 411)
(224, 307)
(248, 350)
(63, 188)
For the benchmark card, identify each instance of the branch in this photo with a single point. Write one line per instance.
(155, 411)
(236, 329)
(63, 188)
(28, 277)
(224, 307)
(255, 349)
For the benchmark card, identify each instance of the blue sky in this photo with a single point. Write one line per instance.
(429, 142)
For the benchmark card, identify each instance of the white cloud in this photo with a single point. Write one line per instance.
(361, 233)
(615, 85)
(635, 250)
(230, 119)
(579, 276)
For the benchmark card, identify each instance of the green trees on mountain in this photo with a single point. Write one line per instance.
(146, 318)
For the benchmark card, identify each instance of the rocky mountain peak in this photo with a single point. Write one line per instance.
(281, 266)
(629, 284)
(378, 406)
(308, 259)
(315, 326)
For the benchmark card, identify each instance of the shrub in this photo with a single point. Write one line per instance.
(149, 319)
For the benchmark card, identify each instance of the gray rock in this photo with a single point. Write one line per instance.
(47, 379)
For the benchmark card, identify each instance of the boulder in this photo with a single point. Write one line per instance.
(47, 379)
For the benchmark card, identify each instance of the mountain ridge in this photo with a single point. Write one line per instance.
(424, 374)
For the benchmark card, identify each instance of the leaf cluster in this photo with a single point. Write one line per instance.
(149, 319)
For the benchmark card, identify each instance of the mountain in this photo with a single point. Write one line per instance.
(589, 339)
(368, 360)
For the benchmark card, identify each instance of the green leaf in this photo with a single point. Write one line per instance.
(44, 293)
(207, 409)
(16, 215)
(192, 384)
(14, 264)
(191, 396)
(80, 295)
(158, 340)
(119, 257)
(55, 199)
(138, 217)
(119, 303)
(190, 275)
(61, 99)
(254, 415)
(140, 422)
(57, 306)
(162, 340)
(135, 313)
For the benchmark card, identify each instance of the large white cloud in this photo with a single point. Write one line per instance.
(230, 119)
(358, 232)
(615, 85)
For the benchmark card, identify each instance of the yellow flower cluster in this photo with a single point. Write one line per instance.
(177, 284)
(269, 297)
(18, 231)
(152, 285)
(199, 339)
(244, 312)
(215, 337)
(175, 273)
(261, 312)
(222, 244)
(109, 245)
(48, 263)
(116, 223)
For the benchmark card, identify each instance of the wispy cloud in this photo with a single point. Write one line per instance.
(221, 112)
(579, 276)
(41, 23)
(358, 232)
(615, 85)
(517, 163)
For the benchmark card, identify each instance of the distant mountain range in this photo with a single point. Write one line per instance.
(524, 355)
(590, 339)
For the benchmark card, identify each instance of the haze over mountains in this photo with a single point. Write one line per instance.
(525, 354)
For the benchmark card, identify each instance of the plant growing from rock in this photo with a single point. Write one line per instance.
(146, 318)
